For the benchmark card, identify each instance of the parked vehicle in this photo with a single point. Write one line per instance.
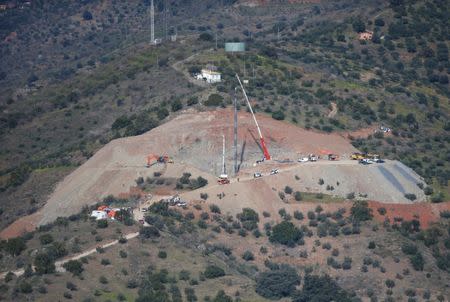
(257, 175)
(303, 160)
(274, 171)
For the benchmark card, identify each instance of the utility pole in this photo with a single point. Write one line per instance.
(235, 133)
(224, 169)
(152, 21)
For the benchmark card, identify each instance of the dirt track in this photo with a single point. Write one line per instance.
(193, 140)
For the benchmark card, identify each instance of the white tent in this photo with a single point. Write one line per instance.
(99, 215)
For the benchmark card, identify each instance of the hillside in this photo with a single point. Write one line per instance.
(86, 98)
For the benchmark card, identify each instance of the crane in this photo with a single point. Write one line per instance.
(261, 138)
(223, 178)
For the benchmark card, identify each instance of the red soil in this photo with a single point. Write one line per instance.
(426, 213)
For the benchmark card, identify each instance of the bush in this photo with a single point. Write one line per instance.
(249, 218)
(278, 115)
(123, 254)
(105, 261)
(25, 287)
(103, 280)
(347, 264)
(15, 246)
(46, 239)
(214, 208)
(286, 233)
(382, 211)
(213, 271)
(214, 100)
(277, 283)
(44, 264)
(102, 223)
(297, 196)
(371, 245)
(71, 286)
(162, 254)
(360, 211)
(410, 196)
(409, 249)
(148, 232)
(288, 190)
(222, 297)
(298, 215)
(248, 256)
(390, 283)
(184, 275)
(320, 288)
(417, 261)
(74, 266)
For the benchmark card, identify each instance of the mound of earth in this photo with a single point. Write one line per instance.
(194, 141)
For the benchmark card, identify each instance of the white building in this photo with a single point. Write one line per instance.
(209, 76)
(99, 215)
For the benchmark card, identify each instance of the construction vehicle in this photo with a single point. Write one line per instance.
(153, 159)
(313, 157)
(333, 157)
(358, 156)
(261, 138)
(223, 178)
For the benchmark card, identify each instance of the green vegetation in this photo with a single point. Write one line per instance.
(286, 233)
(277, 283)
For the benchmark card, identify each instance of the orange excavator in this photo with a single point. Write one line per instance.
(154, 159)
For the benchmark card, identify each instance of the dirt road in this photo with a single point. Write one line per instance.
(59, 264)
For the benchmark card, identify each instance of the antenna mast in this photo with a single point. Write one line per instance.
(152, 21)
(235, 132)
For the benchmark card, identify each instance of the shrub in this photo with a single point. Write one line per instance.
(149, 232)
(297, 196)
(286, 233)
(213, 271)
(105, 261)
(214, 100)
(162, 254)
(371, 245)
(347, 264)
(103, 280)
(71, 286)
(44, 264)
(417, 261)
(409, 249)
(351, 195)
(360, 211)
(202, 224)
(102, 223)
(248, 256)
(381, 211)
(311, 215)
(222, 297)
(74, 266)
(278, 115)
(277, 283)
(25, 287)
(15, 246)
(123, 254)
(214, 208)
(320, 288)
(46, 239)
(204, 196)
(298, 215)
(184, 275)
(249, 218)
(390, 283)
(266, 214)
(288, 190)
(410, 196)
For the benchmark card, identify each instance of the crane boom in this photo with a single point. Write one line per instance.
(261, 138)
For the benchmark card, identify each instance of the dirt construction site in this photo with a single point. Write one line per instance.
(193, 140)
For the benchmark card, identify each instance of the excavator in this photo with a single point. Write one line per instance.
(154, 159)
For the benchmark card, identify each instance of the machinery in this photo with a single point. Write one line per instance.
(333, 157)
(261, 139)
(154, 159)
(223, 178)
(358, 156)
